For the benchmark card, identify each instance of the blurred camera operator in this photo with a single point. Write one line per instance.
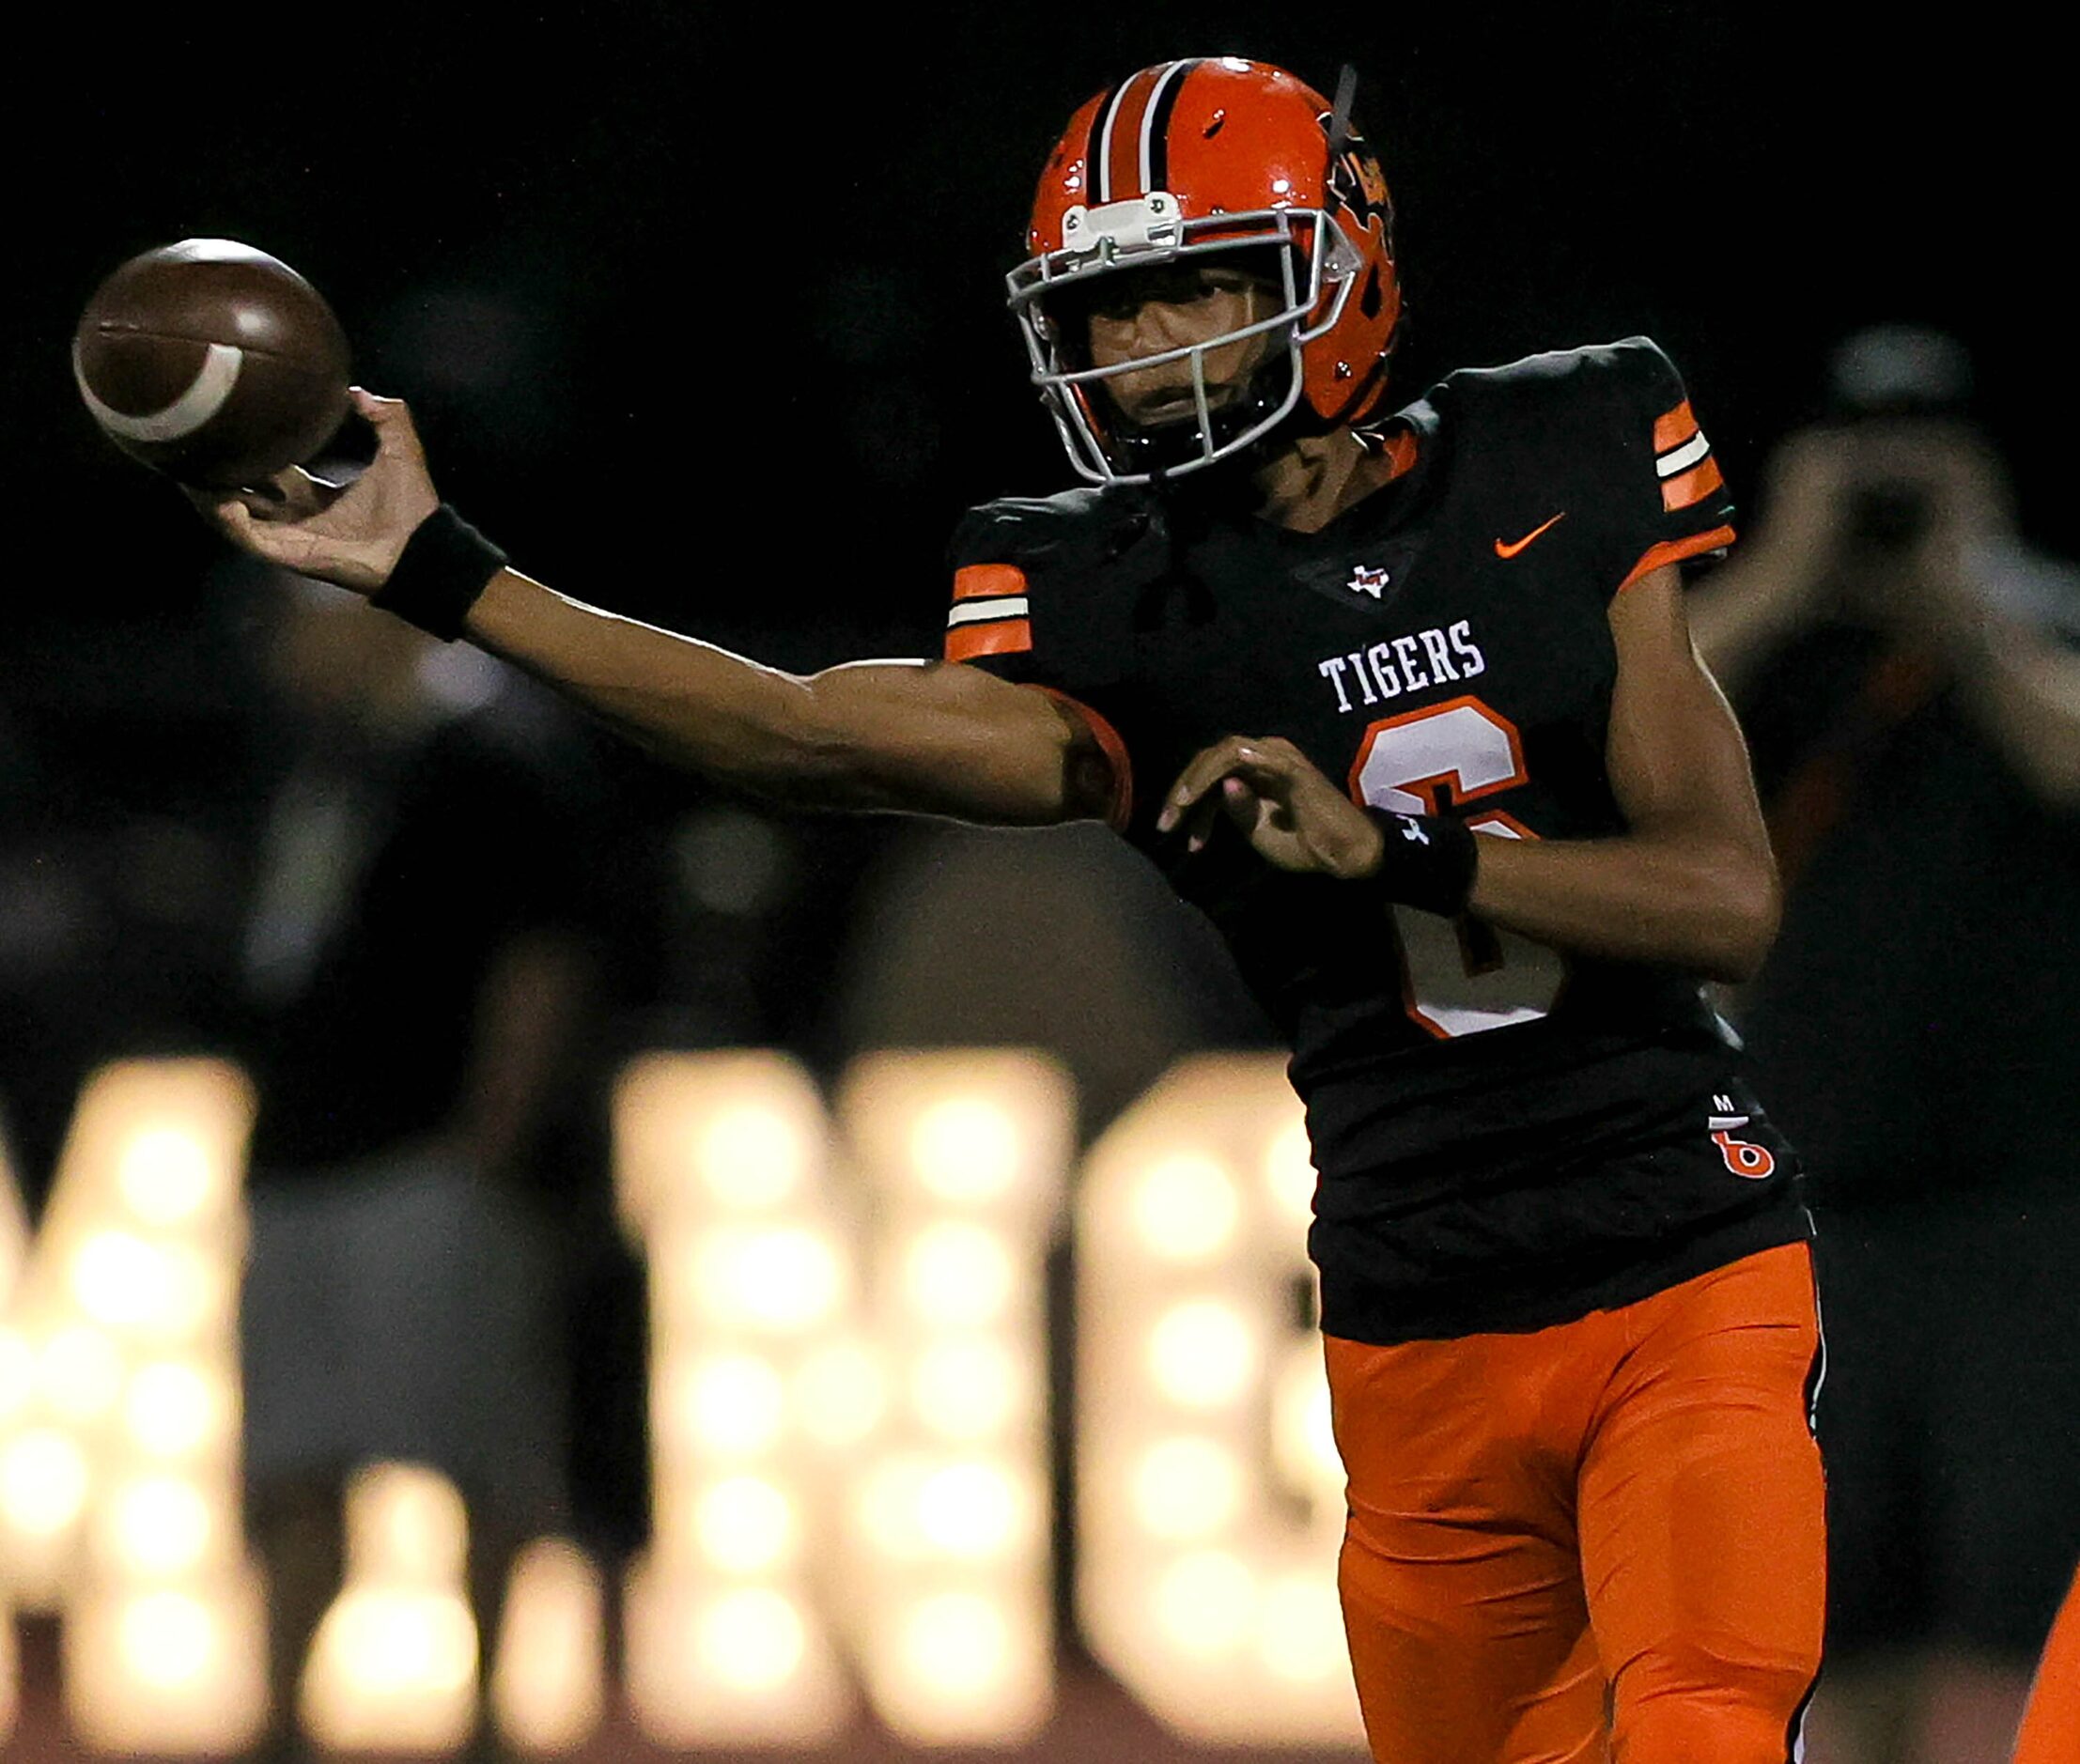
(1907, 671)
(1894, 519)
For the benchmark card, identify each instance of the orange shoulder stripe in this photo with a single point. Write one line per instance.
(975, 581)
(1694, 486)
(1674, 427)
(999, 636)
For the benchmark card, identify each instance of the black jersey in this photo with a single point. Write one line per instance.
(1505, 1136)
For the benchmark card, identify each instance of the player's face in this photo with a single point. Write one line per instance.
(1146, 312)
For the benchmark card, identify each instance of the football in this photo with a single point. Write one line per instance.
(213, 363)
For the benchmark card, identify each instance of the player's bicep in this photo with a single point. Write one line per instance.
(941, 738)
(1677, 763)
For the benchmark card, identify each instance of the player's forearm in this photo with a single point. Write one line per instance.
(892, 735)
(692, 704)
(1707, 908)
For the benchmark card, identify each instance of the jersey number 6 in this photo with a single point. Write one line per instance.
(1458, 976)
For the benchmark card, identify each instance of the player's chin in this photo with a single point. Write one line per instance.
(1169, 409)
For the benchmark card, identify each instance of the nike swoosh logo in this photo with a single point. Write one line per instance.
(1504, 548)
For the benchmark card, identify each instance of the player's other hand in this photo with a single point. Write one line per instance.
(1280, 800)
(352, 537)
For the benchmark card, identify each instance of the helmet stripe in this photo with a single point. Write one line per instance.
(1125, 148)
(1155, 128)
(1101, 162)
(1094, 149)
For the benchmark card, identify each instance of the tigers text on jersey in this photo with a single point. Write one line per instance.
(1507, 1138)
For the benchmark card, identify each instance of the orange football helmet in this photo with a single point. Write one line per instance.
(1230, 160)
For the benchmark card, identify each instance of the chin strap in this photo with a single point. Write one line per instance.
(1340, 117)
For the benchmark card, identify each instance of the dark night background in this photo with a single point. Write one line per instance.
(700, 310)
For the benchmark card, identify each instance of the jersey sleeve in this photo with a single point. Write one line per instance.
(990, 621)
(1672, 504)
(1043, 590)
(1043, 593)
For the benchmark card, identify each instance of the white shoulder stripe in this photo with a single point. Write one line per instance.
(204, 398)
(977, 612)
(1684, 457)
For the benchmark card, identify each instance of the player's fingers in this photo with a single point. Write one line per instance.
(1208, 767)
(232, 518)
(1229, 800)
(240, 525)
(303, 495)
(1269, 773)
(1240, 802)
(391, 418)
(1249, 781)
(291, 495)
(1262, 797)
(1195, 827)
(1202, 772)
(1189, 795)
(215, 506)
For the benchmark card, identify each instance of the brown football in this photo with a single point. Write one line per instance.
(213, 362)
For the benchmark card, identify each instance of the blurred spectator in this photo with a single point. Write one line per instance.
(126, 801)
(1908, 673)
(439, 892)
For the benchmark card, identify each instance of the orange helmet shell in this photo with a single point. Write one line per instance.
(1183, 155)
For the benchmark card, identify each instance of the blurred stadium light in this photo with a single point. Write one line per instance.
(393, 1667)
(964, 1155)
(722, 1176)
(1212, 1504)
(849, 1427)
(119, 1487)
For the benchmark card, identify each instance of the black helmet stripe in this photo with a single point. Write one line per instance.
(1155, 126)
(1097, 177)
(1129, 132)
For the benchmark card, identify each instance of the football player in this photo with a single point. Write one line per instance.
(1404, 700)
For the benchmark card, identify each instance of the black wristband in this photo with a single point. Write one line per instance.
(1424, 861)
(444, 566)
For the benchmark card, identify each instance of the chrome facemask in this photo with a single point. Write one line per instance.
(1139, 233)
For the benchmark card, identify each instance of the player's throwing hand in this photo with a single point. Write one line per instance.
(1282, 803)
(352, 538)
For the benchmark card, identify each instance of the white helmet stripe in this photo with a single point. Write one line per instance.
(205, 396)
(1101, 169)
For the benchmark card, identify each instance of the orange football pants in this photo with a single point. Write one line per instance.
(2051, 1728)
(1602, 1539)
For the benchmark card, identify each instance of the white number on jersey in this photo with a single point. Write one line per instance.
(1458, 976)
